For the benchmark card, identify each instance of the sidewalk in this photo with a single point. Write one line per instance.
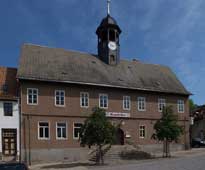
(195, 151)
(87, 165)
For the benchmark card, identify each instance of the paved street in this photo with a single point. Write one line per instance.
(182, 160)
(188, 162)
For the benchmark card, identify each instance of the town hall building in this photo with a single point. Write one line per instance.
(59, 88)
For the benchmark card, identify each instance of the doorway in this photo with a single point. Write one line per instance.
(119, 137)
(9, 142)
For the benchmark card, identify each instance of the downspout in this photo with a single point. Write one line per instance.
(19, 105)
(20, 121)
(29, 141)
(185, 134)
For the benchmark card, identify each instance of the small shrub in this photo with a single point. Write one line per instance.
(134, 155)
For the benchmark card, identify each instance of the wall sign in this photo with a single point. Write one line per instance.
(117, 114)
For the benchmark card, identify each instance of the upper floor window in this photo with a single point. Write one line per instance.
(43, 130)
(32, 96)
(180, 106)
(142, 131)
(4, 88)
(84, 99)
(61, 130)
(8, 109)
(161, 104)
(76, 130)
(103, 101)
(59, 97)
(141, 103)
(126, 102)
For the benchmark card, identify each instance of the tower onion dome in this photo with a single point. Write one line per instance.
(108, 22)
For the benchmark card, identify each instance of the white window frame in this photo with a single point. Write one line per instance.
(61, 138)
(43, 138)
(180, 105)
(139, 100)
(76, 138)
(82, 95)
(59, 105)
(126, 102)
(32, 96)
(161, 102)
(103, 94)
(142, 137)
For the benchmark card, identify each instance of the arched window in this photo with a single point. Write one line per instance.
(112, 35)
(112, 59)
(104, 35)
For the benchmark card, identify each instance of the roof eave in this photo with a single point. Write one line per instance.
(102, 85)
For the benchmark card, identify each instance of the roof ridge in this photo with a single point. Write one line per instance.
(87, 53)
(67, 50)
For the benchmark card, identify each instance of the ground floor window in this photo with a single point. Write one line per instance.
(142, 131)
(76, 130)
(61, 130)
(43, 130)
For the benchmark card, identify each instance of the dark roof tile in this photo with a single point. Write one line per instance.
(54, 64)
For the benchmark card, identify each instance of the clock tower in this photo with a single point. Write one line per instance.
(108, 39)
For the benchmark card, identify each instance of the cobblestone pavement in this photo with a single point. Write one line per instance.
(190, 161)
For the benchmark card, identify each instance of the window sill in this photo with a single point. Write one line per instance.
(60, 106)
(44, 139)
(32, 104)
(84, 107)
(62, 139)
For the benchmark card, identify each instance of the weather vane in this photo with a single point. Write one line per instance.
(108, 7)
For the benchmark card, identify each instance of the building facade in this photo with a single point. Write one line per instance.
(9, 115)
(197, 128)
(59, 88)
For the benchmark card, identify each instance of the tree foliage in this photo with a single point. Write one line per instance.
(97, 131)
(167, 129)
(192, 105)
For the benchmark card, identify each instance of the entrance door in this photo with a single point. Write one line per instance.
(9, 143)
(119, 137)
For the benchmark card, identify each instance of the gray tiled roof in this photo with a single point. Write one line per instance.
(59, 65)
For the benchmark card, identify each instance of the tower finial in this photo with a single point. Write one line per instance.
(108, 7)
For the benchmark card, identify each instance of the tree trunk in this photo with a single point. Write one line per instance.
(97, 156)
(101, 155)
(166, 148)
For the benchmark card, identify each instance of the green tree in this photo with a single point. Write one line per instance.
(167, 129)
(97, 131)
(192, 105)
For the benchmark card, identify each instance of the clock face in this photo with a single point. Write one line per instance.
(112, 45)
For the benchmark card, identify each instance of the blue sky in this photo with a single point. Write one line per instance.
(168, 32)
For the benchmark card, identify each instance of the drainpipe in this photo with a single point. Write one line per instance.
(185, 135)
(20, 157)
(20, 120)
(29, 140)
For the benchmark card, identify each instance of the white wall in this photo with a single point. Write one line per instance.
(9, 122)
